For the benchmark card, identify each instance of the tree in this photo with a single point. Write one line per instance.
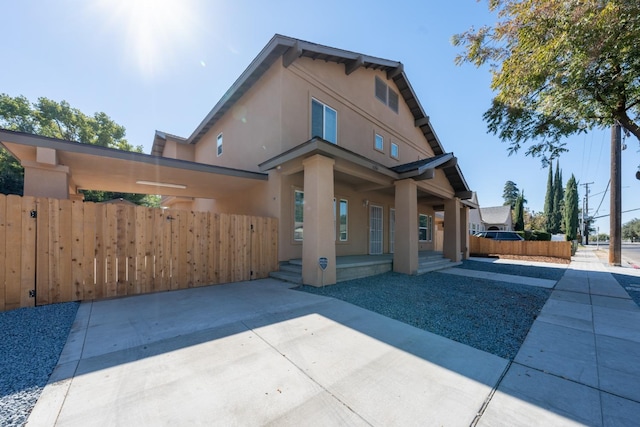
(510, 193)
(533, 220)
(548, 202)
(571, 209)
(558, 68)
(59, 120)
(519, 214)
(558, 201)
(631, 230)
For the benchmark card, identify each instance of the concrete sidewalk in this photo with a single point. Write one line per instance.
(257, 353)
(580, 362)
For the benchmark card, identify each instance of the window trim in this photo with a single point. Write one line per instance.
(346, 221)
(428, 228)
(295, 192)
(397, 149)
(219, 143)
(325, 107)
(375, 142)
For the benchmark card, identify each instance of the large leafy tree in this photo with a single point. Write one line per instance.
(59, 120)
(571, 209)
(631, 230)
(510, 193)
(559, 68)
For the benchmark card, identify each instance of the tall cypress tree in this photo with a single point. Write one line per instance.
(519, 225)
(548, 200)
(571, 209)
(558, 200)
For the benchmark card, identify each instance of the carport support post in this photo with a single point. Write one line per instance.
(318, 235)
(452, 221)
(405, 256)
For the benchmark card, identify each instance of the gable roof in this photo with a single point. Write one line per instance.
(289, 49)
(496, 214)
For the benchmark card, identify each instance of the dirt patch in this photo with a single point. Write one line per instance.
(548, 259)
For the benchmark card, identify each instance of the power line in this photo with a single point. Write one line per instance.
(603, 195)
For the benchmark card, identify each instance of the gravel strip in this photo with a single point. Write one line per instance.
(32, 340)
(491, 316)
(551, 273)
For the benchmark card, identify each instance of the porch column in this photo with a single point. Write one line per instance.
(318, 235)
(45, 177)
(452, 230)
(464, 231)
(405, 256)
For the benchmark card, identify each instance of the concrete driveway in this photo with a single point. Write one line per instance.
(258, 353)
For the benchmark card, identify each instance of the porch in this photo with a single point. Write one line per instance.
(359, 266)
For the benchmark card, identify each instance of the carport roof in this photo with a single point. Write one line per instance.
(94, 167)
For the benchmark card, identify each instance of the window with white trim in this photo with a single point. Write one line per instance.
(298, 214)
(425, 228)
(394, 150)
(344, 220)
(324, 121)
(378, 143)
(219, 145)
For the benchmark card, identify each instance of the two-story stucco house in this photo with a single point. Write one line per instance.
(332, 143)
(353, 163)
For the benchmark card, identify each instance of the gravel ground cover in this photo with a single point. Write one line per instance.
(631, 284)
(32, 340)
(491, 316)
(550, 273)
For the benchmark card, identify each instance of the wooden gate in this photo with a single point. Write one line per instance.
(60, 250)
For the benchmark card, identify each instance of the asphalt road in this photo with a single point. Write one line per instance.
(630, 251)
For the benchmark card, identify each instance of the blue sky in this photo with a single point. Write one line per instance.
(163, 64)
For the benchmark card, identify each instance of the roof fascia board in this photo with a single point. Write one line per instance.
(112, 153)
(320, 146)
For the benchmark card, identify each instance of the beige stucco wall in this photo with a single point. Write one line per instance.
(178, 150)
(275, 115)
(251, 129)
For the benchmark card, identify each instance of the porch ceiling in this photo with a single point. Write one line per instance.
(98, 168)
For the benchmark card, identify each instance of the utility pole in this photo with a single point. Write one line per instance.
(615, 219)
(585, 213)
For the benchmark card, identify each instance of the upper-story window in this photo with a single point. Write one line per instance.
(378, 142)
(394, 150)
(386, 95)
(324, 121)
(219, 145)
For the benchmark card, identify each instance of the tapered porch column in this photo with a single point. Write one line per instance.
(464, 231)
(405, 256)
(319, 234)
(452, 228)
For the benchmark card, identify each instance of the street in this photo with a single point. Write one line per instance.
(630, 251)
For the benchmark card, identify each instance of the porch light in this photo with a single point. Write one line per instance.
(162, 184)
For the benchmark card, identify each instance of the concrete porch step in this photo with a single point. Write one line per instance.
(287, 276)
(435, 264)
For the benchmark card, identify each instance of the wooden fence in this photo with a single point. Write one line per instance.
(484, 246)
(61, 250)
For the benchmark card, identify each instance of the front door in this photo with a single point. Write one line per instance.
(375, 230)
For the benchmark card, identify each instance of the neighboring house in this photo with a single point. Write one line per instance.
(497, 218)
(335, 144)
(475, 218)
